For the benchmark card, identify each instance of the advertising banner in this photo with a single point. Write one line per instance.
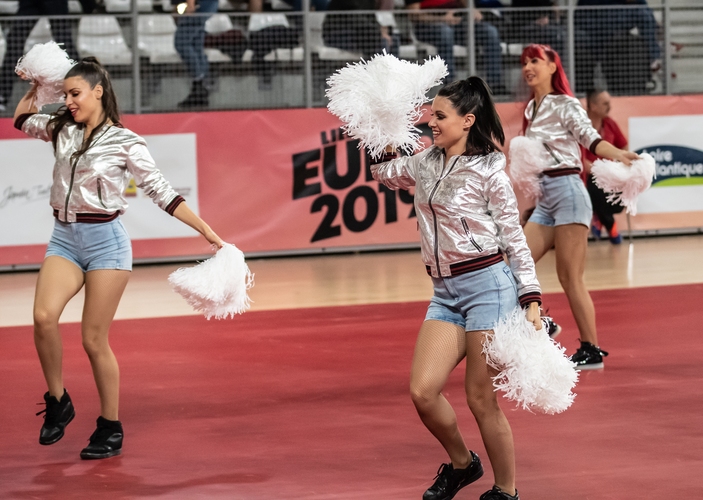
(271, 182)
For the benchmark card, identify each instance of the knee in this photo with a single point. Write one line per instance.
(422, 397)
(44, 321)
(482, 401)
(569, 279)
(94, 342)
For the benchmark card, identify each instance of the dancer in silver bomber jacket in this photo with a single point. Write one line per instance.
(89, 245)
(468, 221)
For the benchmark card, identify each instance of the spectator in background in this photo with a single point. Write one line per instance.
(359, 32)
(190, 44)
(627, 59)
(19, 31)
(538, 26)
(598, 107)
(450, 28)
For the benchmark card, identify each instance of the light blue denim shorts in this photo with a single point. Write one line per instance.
(475, 300)
(564, 201)
(92, 246)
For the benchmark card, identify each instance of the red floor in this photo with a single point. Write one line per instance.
(312, 404)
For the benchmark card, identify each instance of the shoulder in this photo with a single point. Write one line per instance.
(486, 165)
(564, 100)
(127, 136)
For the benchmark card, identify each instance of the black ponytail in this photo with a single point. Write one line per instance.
(473, 96)
(90, 69)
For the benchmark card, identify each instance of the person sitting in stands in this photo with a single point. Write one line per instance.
(450, 28)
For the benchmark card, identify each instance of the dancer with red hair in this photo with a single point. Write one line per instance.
(561, 219)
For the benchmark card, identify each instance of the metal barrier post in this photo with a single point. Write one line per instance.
(136, 73)
(470, 42)
(667, 48)
(570, 50)
(307, 58)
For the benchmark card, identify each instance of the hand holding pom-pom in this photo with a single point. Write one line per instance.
(380, 100)
(46, 65)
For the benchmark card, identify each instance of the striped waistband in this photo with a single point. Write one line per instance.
(92, 218)
(472, 265)
(559, 172)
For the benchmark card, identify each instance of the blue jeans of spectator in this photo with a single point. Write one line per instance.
(190, 39)
(444, 37)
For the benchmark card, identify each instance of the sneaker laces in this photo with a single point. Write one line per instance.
(51, 411)
(442, 477)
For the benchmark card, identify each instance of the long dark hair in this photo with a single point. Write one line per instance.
(474, 96)
(90, 69)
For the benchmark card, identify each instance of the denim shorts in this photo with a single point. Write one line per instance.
(564, 200)
(474, 300)
(92, 246)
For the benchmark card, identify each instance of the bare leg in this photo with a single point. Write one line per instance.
(494, 427)
(103, 291)
(570, 243)
(440, 347)
(58, 281)
(539, 238)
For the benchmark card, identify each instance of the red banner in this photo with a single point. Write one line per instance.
(289, 181)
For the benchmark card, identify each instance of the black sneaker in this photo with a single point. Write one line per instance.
(106, 441)
(199, 96)
(496, 493)
(449, 480)
(58, 414)
(552, 328)
(588, 357)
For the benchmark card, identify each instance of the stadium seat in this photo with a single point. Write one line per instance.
(101, 36)
(115, 6)
(41, 33)
(156, 38)
(325, 53)
(218, 23)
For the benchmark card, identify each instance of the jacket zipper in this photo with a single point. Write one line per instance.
(434, 215)
(471, 236)
(100, 196)
(70, 188)
(551, 152)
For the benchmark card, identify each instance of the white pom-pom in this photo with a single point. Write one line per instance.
(624, 184)
(218, 286)
(380, 100)
(45, 64)
(534, 370)
(528, 159)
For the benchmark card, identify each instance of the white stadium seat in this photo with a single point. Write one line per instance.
(101, 36)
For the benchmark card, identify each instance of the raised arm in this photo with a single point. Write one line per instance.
(26, 104)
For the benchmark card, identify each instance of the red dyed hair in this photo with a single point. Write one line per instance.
(560, 83)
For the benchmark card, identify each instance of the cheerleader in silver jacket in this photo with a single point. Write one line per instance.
(468, 219)
(562, 216)
(89, 245)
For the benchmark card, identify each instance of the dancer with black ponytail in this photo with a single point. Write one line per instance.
(468, 219)
(89, 245)
(562, 217)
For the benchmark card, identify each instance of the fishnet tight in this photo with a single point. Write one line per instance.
(439, 349)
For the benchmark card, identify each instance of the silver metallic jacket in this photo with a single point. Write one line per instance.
(561, 124)
(465, 210)
(95, 184)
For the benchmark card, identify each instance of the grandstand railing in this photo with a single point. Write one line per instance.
(282, 58)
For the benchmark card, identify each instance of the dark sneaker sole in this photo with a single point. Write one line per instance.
(58, 438)
(591, 366)
(98, 456)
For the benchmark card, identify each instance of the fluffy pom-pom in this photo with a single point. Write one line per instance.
(534, 370)
(380, 100)
(528, 159)
(45, 64)
(218, 286)
(622, 183)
